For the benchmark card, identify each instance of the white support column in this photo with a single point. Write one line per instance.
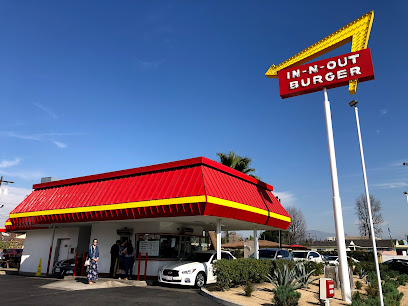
(256, 245)
(218, 239)
(338, 214)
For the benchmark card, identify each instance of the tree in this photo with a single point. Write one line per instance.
(296, 232)
(270, 236)
(237, 162)
(363, 216)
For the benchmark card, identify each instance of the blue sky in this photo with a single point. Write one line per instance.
(94, 86)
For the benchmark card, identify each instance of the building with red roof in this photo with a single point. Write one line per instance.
(160, 208)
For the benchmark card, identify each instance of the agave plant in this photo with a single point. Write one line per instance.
(285, 277)
(361, 273)
(303, 275)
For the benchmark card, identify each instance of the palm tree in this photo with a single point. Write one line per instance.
(237, 162)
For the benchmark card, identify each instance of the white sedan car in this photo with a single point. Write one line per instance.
(194, 270)
(334, 260)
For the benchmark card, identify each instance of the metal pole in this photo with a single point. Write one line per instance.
(218, 239)
(256, 245)
(338, 215)
(369, 206)
(406, 195)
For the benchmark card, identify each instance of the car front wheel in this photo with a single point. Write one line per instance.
(200, 280)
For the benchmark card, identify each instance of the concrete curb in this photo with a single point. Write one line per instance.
(209, 295)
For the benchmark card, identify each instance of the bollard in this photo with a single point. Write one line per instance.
(138, 266)
(145, 274)
(76, 263)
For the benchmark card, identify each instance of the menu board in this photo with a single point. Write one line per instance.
(149, 247)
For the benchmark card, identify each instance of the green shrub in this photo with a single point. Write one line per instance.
(372, 278)
(249, 288)
(359, 285)
(403, 279)
(392, 296)
(372, 290)
(316, 267)
(368, 266)
(361, 255)
(357, 300)
(285, 296)
(232, 273)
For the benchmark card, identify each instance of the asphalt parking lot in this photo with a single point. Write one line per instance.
(22, 290)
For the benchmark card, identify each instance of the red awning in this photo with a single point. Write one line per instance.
(197, 186)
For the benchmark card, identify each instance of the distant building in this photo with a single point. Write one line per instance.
(353, 245)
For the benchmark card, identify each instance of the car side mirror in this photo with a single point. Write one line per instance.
(310, 257)
(279, 256)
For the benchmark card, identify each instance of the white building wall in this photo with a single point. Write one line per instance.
(106, 233)
(37, 245)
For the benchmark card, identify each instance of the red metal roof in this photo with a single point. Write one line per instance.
(196, 186)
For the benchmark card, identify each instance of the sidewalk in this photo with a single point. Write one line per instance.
(70, 283)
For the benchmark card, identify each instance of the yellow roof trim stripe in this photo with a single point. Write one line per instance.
(183, 200)
(256, 210)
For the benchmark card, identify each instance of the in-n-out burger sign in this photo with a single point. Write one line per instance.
(330, 73)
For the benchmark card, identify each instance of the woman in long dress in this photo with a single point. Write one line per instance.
(93, 255)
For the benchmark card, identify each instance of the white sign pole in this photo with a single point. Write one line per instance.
(369, 206)
(338, 215)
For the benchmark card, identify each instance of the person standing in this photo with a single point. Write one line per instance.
(114, 257)
(122, 254)
(129, 259)
(93, 255)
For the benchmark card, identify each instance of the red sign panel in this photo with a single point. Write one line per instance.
(329, 288)
(330, 73)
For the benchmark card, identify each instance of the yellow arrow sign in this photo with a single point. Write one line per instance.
(357, 32)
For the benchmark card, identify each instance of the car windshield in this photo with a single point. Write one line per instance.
(199, 257)
(267, 253)
(332, 258)
(299, 254)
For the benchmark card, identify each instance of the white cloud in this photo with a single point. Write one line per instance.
(287, 198)
(40, 137)
(14, 197)
(47, 110)
(9, 163)
(60, 144)
(392, 185)
(383, 111)
(25, 175)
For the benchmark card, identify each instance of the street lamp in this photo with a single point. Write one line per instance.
(405, 164)
(5, 184)
(354, 103)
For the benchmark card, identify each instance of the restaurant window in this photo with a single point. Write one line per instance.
(169, 246)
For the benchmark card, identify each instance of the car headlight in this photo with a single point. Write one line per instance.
(188, 271)
(72, 265)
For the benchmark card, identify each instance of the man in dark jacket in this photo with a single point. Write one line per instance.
(114, 256)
